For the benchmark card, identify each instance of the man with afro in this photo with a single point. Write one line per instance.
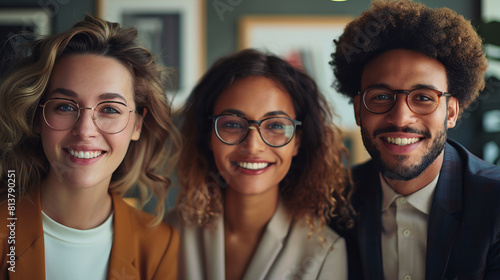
(425, 207)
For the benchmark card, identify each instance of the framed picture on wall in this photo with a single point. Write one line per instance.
(23, 20)
(307, 43)
(173, 30)
(30, 22)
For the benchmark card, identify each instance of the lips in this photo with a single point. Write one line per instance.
(85, 154)
(401, 141)
(252, 165)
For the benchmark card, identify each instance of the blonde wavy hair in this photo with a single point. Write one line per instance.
(23, 89)
(317, 184)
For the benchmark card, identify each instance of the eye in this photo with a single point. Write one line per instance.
(377, 95)
(381, 96)
(424, 96)
(61, 107)
(65, 107)
(110, 110)
(276, 125)
(231, 125)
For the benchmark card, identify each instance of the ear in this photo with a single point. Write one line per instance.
(298, 137)
(453, 111)
(138, 126)
(357, 108)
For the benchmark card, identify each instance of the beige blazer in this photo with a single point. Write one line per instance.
(138, 251)
(284, 251)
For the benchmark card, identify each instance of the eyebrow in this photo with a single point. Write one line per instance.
(268, 114)
(417, 86)
(104, 96)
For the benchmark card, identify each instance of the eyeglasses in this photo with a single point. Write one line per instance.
(274, 131)
(422, 101)
(109, 116)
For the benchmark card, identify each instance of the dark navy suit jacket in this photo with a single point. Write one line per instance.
(463, 240)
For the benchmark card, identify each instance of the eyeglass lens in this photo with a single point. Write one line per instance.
(110, 116)
(276, 131)
(421, 101)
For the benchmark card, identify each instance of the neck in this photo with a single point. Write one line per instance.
(419, 182)
(79, 208)
(248, 213)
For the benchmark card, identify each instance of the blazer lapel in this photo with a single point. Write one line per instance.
(445, 215)
(30, 253)
(213, 246)
(270, 244)
(369, 224)
(121, 263)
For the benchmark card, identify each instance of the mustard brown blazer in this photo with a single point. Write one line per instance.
(138, 252)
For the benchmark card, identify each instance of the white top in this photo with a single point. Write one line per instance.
(76, 254)
(404, 231)
(284, 251)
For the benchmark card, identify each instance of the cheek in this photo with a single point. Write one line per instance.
(287, 154)
(369, 121)
(219, 150)
(51, 140)
(118, 142)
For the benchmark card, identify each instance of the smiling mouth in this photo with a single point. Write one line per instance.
(253, 165)
(85, 154)
(401, 141)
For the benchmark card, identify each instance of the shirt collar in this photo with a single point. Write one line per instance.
(421, 199)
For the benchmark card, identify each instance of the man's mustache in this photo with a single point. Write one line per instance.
(387, 129)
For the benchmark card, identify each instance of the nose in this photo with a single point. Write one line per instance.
(401, 115)
(253, 143)
(85, 127)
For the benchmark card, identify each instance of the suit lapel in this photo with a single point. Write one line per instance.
(270, 245)
(30, 253)
(445, 215)
(121, 263)
(214, 254)
(369, 223)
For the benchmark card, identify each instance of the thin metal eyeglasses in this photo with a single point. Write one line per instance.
(109, 116)
(274, 131)
(422, 101)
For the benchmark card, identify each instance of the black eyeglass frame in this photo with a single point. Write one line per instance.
(215, 118)
(79, 114)
(407, 92)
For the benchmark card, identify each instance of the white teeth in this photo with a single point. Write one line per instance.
(253, 165)
(402, 141)
(84, 155)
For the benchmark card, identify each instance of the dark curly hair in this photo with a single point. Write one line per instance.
(316, 183)
(441, 34)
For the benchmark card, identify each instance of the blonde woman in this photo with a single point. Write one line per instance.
(83, 119)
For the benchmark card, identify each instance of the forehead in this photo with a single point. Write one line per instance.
(404, 69)
(91, 76)
(255, 96)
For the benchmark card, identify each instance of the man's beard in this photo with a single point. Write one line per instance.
(401, 172)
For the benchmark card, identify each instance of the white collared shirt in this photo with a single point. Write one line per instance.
(404, 231)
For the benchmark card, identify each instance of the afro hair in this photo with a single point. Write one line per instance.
(440, 34)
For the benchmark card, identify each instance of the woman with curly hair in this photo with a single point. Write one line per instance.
(261, 174)
(83, 119)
